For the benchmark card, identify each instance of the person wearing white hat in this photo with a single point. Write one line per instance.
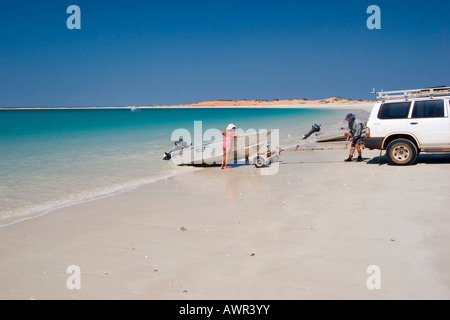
(228, 139)
(231, 127)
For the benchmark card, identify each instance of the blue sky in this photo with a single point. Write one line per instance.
(168, 52)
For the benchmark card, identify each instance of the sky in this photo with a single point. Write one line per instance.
(174, 52)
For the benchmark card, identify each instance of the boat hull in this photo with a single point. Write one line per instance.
(246, 147)
(334, 134)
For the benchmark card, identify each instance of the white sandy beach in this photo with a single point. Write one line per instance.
(310, 231)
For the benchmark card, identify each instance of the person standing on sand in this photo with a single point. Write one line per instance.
(228, 138)
(356, 136)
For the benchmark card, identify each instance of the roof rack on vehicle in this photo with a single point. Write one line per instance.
(412, 93)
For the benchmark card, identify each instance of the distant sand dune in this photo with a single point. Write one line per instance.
(275, 102)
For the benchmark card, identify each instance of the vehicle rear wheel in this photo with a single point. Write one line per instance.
(401, 152)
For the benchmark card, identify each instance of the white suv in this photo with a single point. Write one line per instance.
(405, 123)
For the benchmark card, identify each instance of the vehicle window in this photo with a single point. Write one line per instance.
(428, 109)
(394, 110)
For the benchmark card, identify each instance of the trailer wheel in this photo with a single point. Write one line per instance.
(259, 162)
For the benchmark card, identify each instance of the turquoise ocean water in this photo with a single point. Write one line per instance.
(55, 158)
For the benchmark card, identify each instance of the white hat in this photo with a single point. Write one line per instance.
(231, 126)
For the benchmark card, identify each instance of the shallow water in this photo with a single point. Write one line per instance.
(54, 158)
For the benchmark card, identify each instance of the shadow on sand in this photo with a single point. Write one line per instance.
(217, 165)
(435, 158)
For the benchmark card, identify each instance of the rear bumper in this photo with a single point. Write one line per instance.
(373, 143)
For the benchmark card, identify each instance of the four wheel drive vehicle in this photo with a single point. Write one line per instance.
(405, 123)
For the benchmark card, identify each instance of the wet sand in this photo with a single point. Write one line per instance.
(306, 229)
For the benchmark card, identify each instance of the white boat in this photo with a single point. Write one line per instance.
(247, 147)
(333, 134)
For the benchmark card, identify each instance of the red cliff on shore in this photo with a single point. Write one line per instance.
(244, 103)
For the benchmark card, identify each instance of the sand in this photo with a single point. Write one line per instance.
(306, 229)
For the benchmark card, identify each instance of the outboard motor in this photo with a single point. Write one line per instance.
(179, 145)
(315, 128)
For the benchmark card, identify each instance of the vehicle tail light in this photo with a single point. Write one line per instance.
(368, 132)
